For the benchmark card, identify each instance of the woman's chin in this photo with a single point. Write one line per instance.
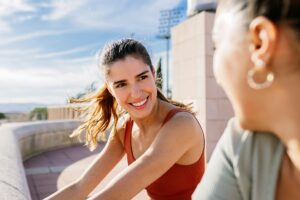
(139, 113)
(247, 124)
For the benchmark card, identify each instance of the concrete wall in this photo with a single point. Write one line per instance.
(12, 176)
(193, 79)
(64, 112)
(19, 141)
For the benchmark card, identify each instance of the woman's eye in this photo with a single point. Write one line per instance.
(120, 85)
(143, 77)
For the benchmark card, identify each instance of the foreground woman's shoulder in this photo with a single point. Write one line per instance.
(230, 173)
(236, 140)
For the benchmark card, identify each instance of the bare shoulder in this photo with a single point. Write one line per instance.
(187, 121)
(120, 131)
(185, 126)
(182, 135)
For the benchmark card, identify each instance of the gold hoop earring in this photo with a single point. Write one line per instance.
(258, 86)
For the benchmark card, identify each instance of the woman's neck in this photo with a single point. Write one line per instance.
(152, 119)
(287, 128)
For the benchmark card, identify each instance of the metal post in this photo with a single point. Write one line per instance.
(167, 69)
(168, 18)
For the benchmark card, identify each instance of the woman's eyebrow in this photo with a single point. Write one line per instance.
(118, 82)
(123, 81)
(144, 72)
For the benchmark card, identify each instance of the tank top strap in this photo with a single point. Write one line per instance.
(128, 130)
(171, 113)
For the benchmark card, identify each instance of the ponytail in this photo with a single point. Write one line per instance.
(97, 116)
(187, 107)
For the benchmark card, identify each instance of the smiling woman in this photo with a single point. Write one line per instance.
(149, 135)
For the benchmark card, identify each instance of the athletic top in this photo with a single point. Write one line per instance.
(180, 181)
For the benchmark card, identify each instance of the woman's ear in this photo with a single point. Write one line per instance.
(263, 36)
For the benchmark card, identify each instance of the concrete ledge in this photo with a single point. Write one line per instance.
(19, 141)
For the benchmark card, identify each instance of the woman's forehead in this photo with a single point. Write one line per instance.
(126, 68)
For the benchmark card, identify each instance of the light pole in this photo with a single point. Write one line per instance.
(168, 19)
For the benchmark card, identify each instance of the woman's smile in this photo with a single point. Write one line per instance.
(140, 104)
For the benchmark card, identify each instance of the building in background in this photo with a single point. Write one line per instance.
(192, 69)
(64, 112)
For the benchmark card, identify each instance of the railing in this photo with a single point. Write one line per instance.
(20, 141)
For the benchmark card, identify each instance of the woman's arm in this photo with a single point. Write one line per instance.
(94, 174)
(175, 138)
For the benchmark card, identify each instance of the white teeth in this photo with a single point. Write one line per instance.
(139, 103)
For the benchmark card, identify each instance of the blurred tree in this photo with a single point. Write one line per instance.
(159, 78)
(2, 116)
(39, 114)
(87, 90)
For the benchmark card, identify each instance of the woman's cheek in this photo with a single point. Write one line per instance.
(217, 68)
(120, 96)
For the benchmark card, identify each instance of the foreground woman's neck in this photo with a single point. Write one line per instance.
(288, 130)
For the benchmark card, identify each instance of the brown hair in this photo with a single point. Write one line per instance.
(278, 11)
(102, 105)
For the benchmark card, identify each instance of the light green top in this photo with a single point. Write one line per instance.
(245, 165)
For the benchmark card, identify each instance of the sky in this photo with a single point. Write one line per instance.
(48, 48)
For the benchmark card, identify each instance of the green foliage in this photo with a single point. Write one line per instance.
(159, 79)
(2, 116)
(39, 114)
(91, 88)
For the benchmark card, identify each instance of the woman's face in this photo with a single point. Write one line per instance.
(132, 83)
(232, 60)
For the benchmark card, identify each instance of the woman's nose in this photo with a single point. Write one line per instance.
(135, 91)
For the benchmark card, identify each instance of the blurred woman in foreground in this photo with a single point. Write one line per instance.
(257, 62)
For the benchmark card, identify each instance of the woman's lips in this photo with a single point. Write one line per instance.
(140, 104)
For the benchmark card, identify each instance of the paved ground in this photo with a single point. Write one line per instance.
(54, 169)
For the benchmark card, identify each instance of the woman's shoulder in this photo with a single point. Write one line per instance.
(121, 127)
(184, 118)
(237, 141)
(247, 150)
(242, 162)
(183, 125)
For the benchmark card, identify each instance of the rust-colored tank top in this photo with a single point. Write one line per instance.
(180, 181)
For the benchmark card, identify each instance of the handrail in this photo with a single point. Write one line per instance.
(20, 141)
